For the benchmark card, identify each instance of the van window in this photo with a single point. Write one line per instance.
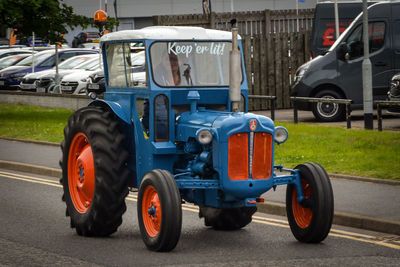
(376, 34)
(396, 32)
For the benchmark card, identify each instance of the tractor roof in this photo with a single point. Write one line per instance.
(169, 33)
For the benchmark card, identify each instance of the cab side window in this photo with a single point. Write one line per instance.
(126, 67)
(376, 36)
(396, 32)
(161, 116)
(376, 39)
(355, 43)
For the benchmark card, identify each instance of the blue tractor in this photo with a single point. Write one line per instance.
(174, 125)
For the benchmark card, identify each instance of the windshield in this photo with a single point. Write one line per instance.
(190, 63)
(7, 61)
(73, 62)
(37, 59)
(91, 64)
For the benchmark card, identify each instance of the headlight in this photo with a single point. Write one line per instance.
(204, 136)
(281, 135)
(300, 72)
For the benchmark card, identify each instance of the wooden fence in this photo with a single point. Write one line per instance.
(275, 44)
(271, 62)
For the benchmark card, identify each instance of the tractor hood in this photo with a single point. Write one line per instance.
(221, 124)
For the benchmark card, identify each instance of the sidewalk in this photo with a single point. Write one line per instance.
(366, 205)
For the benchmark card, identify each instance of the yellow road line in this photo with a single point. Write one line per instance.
(28, 179)
(380, 243)
(258, 219)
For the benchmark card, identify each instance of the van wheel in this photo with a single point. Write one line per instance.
(328, 112)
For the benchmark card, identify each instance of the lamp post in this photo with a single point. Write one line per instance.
(367, 74)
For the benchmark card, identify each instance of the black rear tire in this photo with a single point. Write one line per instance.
(96, 211)
(328, 112)
(311, 220)
(159, 211)
(227, 219)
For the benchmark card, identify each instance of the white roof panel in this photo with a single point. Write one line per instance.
(169, 33)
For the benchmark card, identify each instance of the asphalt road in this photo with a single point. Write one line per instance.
(35, 232)
(363, 197)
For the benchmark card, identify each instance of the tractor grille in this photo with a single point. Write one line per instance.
(250, 156)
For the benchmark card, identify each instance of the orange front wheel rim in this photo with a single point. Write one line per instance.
(81, 177)
(302, 215)
(151, 211)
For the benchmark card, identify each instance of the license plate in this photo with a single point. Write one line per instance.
(66, 88)
(93, 86)
(27, 86)
(1, 82)
(41, 89)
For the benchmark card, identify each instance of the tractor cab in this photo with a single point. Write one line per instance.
(181, 69)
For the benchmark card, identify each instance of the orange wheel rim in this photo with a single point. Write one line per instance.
(151, 211)
(81, 176)
(301, 214)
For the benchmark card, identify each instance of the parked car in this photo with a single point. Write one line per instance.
(394, 93)
(14, 51)
(31, 82)
(85, 37)
(96, 83)
(338, 73)
(75, 82)
(12, 60)
(11, 77)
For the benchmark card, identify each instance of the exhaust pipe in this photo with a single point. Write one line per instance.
(234, 73)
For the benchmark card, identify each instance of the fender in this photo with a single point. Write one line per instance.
(114, 106)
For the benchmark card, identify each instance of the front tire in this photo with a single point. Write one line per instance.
(159, 211)
(328, 112)
(311, 220)
(94, 172)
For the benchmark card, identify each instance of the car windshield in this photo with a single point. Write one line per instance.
(177, 64)
(74, 61)
(37, 59)
(93, 63)
(8, 61)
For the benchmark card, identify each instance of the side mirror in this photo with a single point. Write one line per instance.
(342, 52)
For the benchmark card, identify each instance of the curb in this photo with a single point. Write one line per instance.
(30, 141)
(24, 167)
(341, 218)
(274, 208)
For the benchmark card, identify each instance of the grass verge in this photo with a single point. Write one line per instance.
(343, 151)
(33, 123)
(339, 150)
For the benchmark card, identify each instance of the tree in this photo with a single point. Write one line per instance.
(49, 19)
